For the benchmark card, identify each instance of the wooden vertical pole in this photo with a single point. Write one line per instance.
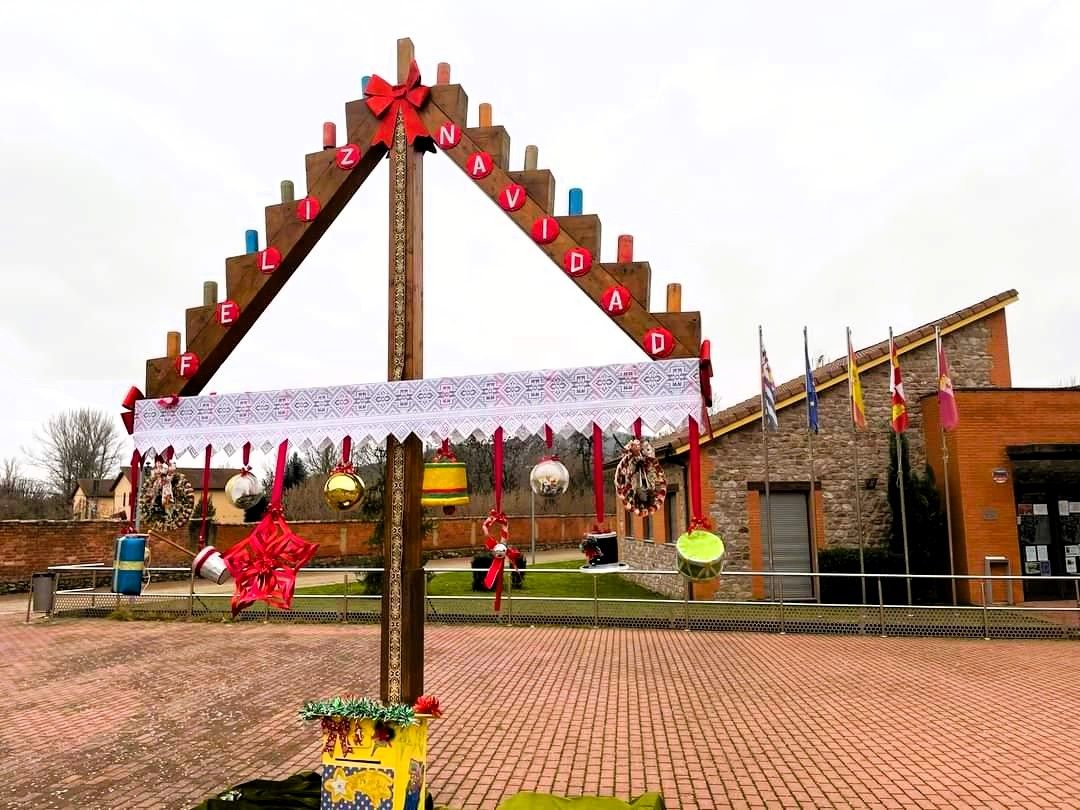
(674, 297)
(401, 670)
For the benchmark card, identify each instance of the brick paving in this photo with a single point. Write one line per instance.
(103, 714)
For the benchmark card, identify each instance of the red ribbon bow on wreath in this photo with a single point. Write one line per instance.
(264, 564)
(386, 101)
(502, 550)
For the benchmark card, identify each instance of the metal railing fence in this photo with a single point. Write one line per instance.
(338, 597)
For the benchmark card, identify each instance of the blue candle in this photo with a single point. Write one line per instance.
(576, 202)
(363, 83)
(251, 241)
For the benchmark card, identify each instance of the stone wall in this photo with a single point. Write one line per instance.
(653, 557)
(736, 459)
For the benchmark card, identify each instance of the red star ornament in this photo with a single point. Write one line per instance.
(265, 563)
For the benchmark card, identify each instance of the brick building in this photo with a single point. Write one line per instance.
(733, 469)
(1014, 487)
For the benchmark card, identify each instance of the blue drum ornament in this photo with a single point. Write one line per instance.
(128, 564)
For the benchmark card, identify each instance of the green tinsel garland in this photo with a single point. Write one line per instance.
(399, 714)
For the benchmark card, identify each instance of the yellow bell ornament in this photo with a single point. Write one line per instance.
(445, 481)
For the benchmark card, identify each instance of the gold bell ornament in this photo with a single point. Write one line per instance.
(445, 481)
(344, 489)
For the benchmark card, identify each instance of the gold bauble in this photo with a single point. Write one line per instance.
(343, 490)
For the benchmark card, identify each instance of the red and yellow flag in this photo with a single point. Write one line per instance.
(858, 409)
(948, 415)
(896, 389)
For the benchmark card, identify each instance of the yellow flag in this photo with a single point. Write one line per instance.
(858, 410)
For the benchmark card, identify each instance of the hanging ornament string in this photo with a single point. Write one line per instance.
(346, 456)
(279, 480)
(500, 548)
(598, 476)
(498, 469)
(247, 456)
(205, 495)
(698, 519)
(549, 437)
(133, 498)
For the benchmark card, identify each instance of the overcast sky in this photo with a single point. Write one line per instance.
(828, 164)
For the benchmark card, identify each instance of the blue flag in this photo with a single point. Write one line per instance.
(811, 389)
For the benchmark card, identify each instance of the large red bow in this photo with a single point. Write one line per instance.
(133, 395)
(407, 98)
(264, 564)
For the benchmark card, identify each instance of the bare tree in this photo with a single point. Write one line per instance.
(83, 443)
(24, 498)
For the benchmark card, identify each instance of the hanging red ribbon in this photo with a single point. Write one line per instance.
(168, 454)
(247, 455)
(705, 374)
(133, 498)
(500, 547)
(279, 478)
(698, 519)
(598, 476)
(637, 428)
(498, 469)
(386, 101)
(205, 495)
(549, 437)
(346, 456)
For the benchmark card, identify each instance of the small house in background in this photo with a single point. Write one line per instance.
(93, 499)
(112, 497)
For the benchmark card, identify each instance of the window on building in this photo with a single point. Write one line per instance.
(646, 527)
(629, 523)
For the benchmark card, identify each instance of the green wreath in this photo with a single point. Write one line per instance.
(166, 499)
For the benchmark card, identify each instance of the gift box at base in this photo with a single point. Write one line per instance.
(370, 765)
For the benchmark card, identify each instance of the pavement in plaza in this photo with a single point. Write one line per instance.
(108, 714)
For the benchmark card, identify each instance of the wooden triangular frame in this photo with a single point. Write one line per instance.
(333, 187)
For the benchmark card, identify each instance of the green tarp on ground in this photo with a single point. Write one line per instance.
(302, 792)
(298, 792)
(542, 801)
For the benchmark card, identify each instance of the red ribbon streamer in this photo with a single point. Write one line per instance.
(598, 475)
(698, 520)
(386, 101)
(168, 454)
(498, 469)
(549, 437)
(205, 495)
(637, 428)
(247, 454)
(133, 498)
(279, 477)
(346, 451)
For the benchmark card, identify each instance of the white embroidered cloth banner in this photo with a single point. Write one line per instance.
(663, 394)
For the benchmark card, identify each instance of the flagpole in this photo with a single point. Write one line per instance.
(858, 478)
(765, 442)
(810, 452)
(945, 470)
(900, 477)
